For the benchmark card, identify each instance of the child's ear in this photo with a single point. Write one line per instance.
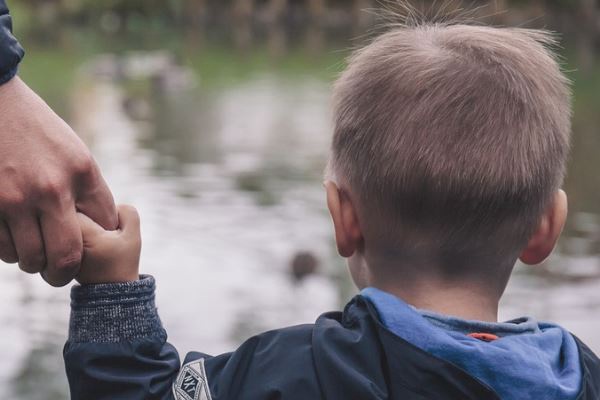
(348, 235)
(544, 239)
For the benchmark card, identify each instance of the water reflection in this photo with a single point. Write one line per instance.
(222, 152)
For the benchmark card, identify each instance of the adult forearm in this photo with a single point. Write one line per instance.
(11, 51)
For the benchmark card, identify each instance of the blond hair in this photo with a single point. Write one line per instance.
(452, 138)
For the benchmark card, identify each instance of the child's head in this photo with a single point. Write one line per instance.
(449, 151)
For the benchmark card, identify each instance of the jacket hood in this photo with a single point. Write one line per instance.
(528, 360)
(590, 366)
(357, 357)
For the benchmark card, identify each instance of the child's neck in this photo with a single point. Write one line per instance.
(464, 301)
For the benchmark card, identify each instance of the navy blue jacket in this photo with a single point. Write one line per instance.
(117, 349)
(11, 52)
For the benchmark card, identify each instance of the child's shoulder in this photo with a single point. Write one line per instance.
(590, 364)
(333, 358)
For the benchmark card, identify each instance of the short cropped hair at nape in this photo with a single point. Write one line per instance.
(454, 134)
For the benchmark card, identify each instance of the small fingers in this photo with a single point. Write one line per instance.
(89, 229)
(129, 219)
(63, 244)
(8, 253)
(25, 231)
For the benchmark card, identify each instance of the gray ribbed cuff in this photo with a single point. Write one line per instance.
(114, 312)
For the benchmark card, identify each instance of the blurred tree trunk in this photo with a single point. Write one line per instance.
(195, 11)
(276, 41)
(316, 9)
(276, 10)
(361, 18)
(242, 11)
(315, 39)
(201, 8)
(587, 32)
(500, 5)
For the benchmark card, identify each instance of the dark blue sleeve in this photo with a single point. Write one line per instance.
(117, 347)
(11, 51)
(278, 364)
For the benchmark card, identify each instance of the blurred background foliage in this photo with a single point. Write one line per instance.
(239, 38)
(130, 14)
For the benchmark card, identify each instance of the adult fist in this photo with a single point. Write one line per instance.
(47, 174)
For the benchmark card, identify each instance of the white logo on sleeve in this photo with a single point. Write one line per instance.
(191, 383)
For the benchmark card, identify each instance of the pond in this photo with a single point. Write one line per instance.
(222, 149)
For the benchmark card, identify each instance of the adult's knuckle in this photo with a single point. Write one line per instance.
(33, 262)
(52, 188)
(9, 258)
(68, 262)
(84, 165)
(8, 253)
(12, 200)
(55, 280)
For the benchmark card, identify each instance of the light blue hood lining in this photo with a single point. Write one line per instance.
(529, 361)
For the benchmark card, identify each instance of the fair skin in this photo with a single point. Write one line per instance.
(111, 256)
(47, 175)
(464, 299)
(114, 257)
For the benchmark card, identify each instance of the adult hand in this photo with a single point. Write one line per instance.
(47, 174)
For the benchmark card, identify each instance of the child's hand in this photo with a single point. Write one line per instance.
(111, 256)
